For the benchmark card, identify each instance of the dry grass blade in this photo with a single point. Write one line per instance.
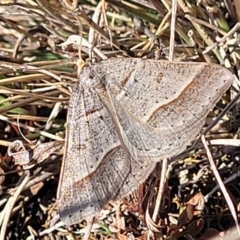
(221, 185)
(172, 32)
(6, 212)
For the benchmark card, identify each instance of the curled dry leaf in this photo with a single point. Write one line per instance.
(198, 201)
(27, 156)
(36, 188)
(2, 179)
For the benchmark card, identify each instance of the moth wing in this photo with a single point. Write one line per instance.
(96, 168)
(141, 139)
(161, 125)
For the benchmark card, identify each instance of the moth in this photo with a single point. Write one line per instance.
(124, 116)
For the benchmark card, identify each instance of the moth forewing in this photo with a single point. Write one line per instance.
(96, 166)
